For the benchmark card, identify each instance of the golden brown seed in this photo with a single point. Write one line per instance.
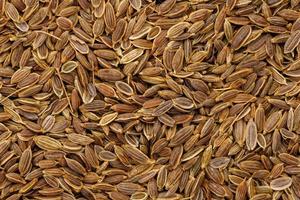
(251, 137)
(292, 42)
(47, 143)
(241, 36)
(25, 161)
(108, 118)
(110, 74)
(64, 23)
(281, 183)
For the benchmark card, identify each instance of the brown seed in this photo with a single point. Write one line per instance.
(64, 23)
(68, 67)
(124, 88)
(163, 108)
(241, 190)
(272, 121)
(129, 188)
(15, 178)
(80, 139)
(107, 119)
(136, 154)
(177, 29)
(76, 166)
(131, 56)
(11, 12)
(281, 183)
(25, 161)
(20, 74)
(109, 16)
(181, 136)
(241, 36)
(107, 156)
(251, 137)
(47, 163)
(110, 74)
(47, 143)
(292, 42)
(79, 45)
(48, 123)
(167, 120)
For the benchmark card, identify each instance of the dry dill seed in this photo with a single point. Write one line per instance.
(150, 99)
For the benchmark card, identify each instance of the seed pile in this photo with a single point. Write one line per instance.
(136, 99)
